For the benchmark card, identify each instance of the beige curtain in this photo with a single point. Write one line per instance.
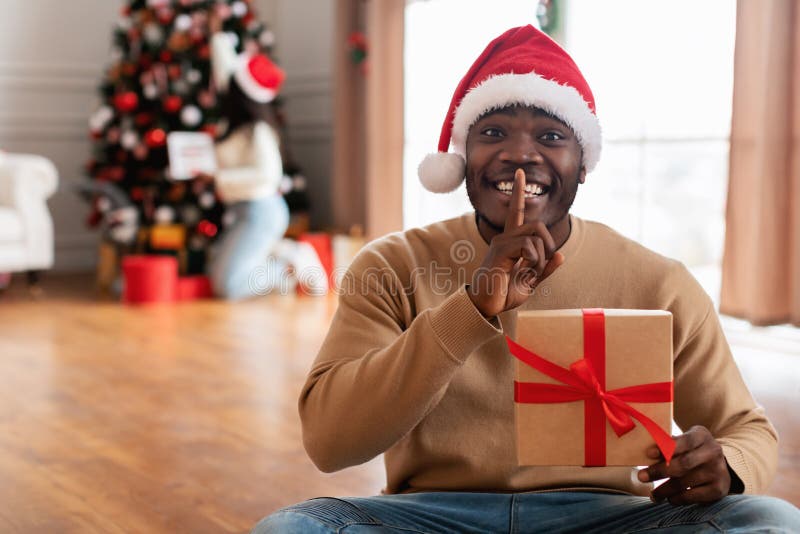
(367, 182)
(761, 264)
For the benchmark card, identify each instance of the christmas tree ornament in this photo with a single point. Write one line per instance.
(174, 71)
(267, 38)
(165, 56)
(181, 87)
(143, 119)
(207, 228)
(153, 34)
(183, 22)
(239, 9)
(165, 15)
(194, 76)
(172, 104)
(206, 99)
(190, 214)
(100, 118)
(155, 138)
(179, 42)
(126, 102)
(164, 214)
(103, 204)
(129, 139)
(140, 152)
(207, 200)
(150, 91)
(112, 135)
(191, 116)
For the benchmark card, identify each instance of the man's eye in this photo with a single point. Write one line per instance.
(552, 136)
(492, 132)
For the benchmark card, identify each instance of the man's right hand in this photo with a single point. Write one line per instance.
(517, 261)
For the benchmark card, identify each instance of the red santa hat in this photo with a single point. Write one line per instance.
(523, 66)
(259, 78)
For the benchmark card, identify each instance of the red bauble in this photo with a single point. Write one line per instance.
(165, 15)
(115, 174)
(165, 56)
(207, 228)
(172, 104)
(210, 129)
(143, 119)
(137, 194)
(155, 138)
(174, 72)
(126, 102)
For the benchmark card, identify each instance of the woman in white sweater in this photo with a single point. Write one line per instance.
(251, 257)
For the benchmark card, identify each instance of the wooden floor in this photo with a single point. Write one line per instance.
(183, 418)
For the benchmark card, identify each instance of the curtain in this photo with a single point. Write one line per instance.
(761, 261)
(367, 181)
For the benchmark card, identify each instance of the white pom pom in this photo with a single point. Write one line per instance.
(442, 172)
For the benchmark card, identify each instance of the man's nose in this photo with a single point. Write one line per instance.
(521, 149)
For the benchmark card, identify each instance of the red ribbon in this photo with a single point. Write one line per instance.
(586, 380)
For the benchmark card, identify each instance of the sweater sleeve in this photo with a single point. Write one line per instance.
(380, 369)
(710, 391)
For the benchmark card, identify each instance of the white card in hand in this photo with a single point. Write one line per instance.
(190, 154)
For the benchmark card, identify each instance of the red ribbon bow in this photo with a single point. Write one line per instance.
(585, 380)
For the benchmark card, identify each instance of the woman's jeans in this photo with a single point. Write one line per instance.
(240, 266)
(555, 512)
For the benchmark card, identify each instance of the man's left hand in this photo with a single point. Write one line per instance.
(698, 472)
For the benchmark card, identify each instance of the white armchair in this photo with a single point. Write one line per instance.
(26, 228)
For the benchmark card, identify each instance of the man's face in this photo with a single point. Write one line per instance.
(528, 138)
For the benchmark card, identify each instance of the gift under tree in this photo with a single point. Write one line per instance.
(160, 81)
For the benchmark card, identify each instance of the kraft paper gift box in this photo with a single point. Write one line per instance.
(593, 387)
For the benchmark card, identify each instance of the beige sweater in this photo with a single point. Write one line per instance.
(411, 369)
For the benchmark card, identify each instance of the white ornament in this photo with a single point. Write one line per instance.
(100, 118)
(150, 92)
(164, 214)
(153, 34)
(207, 200)
(239, 9)
(103, 204)
(267, 38)
(129, 140)
(183, 22)
(194, 76)
(191, 115)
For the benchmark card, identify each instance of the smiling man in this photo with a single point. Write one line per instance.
(415, 365)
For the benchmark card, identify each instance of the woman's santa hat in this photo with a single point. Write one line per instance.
(256, 74)
(524, 67)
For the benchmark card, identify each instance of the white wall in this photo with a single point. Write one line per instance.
(304, 37)
(52, 56)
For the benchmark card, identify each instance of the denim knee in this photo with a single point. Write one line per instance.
(316, 516)
(755, 513)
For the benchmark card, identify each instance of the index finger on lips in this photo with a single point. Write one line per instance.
(516, 208)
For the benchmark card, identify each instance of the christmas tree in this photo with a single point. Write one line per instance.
(159, 82)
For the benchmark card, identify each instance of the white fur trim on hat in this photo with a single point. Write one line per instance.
(254, 90)
(563, 101)
(442, 172)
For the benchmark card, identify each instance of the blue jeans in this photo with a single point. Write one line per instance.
(240, 266)
(530, 512)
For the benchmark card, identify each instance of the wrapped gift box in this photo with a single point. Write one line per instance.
(584, 378)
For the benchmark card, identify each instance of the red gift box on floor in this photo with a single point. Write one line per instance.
(149, 279)
(593, 387)
(322, 246)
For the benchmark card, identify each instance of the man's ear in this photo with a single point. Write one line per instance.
(582, 175)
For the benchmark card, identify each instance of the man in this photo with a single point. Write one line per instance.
(415, 365)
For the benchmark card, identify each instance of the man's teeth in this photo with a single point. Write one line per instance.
(530, 189)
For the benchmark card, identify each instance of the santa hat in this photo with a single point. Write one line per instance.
(524, 67)
(259, 78)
